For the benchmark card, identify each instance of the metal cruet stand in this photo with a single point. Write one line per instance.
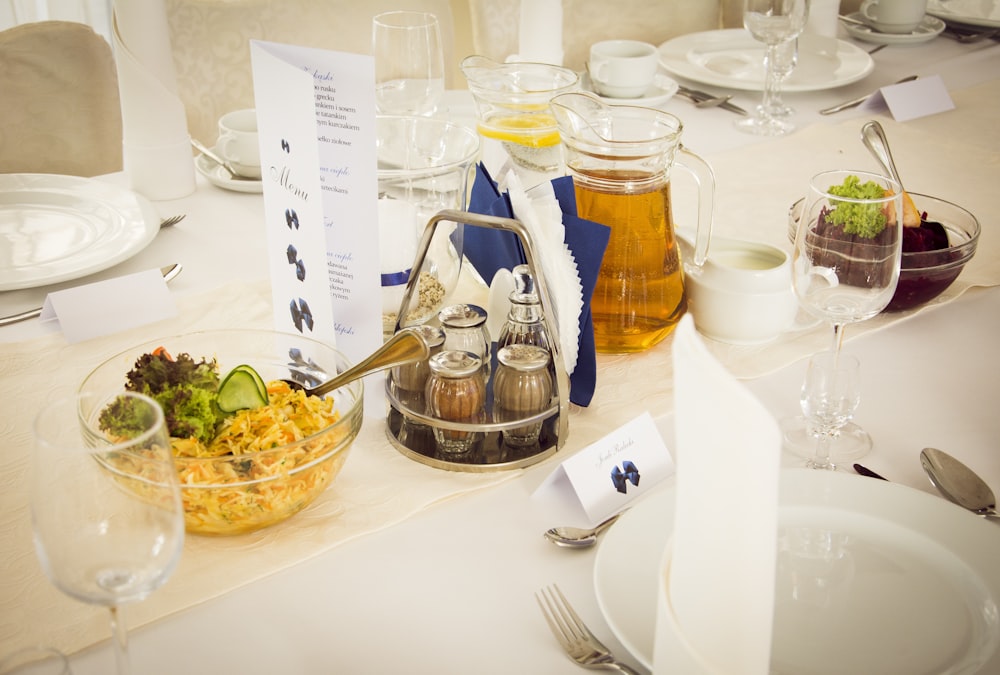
(411, 431)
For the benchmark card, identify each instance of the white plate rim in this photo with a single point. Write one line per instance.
(218, 176)
(667, 87)
(975, 541)
(133, 221)
(930, 27)
(674, 59)
(939, 9)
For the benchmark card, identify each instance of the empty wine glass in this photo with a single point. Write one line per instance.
(105, 506)
(409, 63)
(772, 22)
(786, 57)
(831, 393)
(845, 266)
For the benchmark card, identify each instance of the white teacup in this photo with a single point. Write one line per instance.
(742, 294)
(622, 68)
(239, 143)
(893, 16)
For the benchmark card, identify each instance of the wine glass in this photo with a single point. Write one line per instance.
(845, 266)
(786, 57)
(105, 506)
(772, 22)
(409, 63)
(831, 393)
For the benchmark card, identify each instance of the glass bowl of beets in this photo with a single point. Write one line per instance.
(933, 253)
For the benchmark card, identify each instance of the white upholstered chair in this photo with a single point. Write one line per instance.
(59, 105)
(210, 41)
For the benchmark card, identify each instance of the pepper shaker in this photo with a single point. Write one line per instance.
(456, 392)
(410, 379)
(522, 388)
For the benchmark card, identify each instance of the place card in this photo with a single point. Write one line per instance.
(316, 122)
(611, 473)
(917, 98)
(110, 306)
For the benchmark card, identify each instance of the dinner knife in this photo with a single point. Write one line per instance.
(697, 96)
(865, 471)
(168, 272)
(855, 102)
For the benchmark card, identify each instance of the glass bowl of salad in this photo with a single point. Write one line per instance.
(251, 450)
(935, 251)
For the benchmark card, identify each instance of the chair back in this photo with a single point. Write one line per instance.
(59, 105)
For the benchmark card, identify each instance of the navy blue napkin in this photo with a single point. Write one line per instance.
(490, 250)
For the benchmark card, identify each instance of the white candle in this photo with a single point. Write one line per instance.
(540, 31)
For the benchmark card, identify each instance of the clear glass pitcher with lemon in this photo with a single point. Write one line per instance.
(620, 158)
(512, 102)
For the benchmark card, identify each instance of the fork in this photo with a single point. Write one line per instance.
(576, 639)
(172, 220)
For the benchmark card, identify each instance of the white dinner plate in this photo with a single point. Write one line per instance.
(219, 177)
(930, 27)
(984, 13)
(872, 577)
(732, 58)
(56, 228)
(662, 90)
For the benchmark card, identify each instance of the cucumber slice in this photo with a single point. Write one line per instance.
(242, 389)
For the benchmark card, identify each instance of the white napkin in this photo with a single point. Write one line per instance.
(716, 602)
(540, 213)
(539, 37)
(156, 145)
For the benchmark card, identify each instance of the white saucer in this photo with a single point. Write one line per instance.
(219, 177)
(930, 27)
(662, 90)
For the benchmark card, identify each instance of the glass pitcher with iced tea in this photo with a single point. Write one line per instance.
(620, 159)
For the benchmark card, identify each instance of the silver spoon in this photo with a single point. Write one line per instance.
(406, 346)
(575, 537)
(226, 166)
(873, 136)
(958, 483)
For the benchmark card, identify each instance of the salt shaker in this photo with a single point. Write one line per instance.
(522, 388)
(524, 320)
(456, 392)
(465, 331)
(410, 379)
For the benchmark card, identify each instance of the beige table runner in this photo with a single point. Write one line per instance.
(953, 155)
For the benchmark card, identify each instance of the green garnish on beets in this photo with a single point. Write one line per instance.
(864, 220)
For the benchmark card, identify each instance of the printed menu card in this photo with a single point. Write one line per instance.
(316, 120)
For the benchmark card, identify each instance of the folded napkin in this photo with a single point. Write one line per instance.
(716, 598)
(539, 35)
(490, 250)
(155, 142)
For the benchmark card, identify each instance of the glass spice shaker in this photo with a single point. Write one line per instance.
(456, 392)
(524, 320)
(522, 387)
(465, 331)
(410, 379)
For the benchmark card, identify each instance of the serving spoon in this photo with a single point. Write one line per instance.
(575, 537)
(873, 136)
(958, 483)
(406, 346)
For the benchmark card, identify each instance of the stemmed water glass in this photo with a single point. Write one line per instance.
(831, 393)
(786, 57)
(409, 63)
(773, 22)
(845, 266)
(105, 507)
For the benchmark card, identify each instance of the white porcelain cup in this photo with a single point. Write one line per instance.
(622, 68)
(239, 143)
(742, 294)
(893, 16)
